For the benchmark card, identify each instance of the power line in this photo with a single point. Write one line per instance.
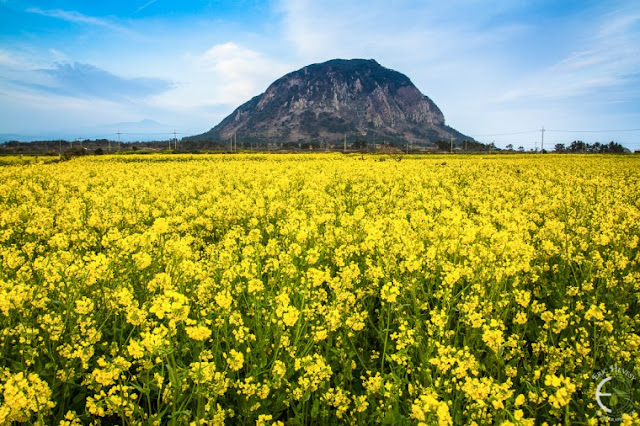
(144, 133)
(593, 131)
(509, 134)
(558, 130)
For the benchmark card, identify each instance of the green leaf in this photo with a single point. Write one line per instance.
(613, 400)
(315, 408)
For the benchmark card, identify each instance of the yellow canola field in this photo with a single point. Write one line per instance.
(12, 160)
(324, 289)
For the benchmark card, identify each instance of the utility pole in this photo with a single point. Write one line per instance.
(119, 142)
(345, 143)
(542, 141)
(175, 139)
(536, 145)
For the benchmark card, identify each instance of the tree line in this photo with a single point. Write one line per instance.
(582, 147)
(104, 146)
(596, 147)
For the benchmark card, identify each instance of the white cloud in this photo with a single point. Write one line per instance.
(7, 59)
(204, 87)
(226, 74)
(55, 113)
(212, 83)
(239, 73)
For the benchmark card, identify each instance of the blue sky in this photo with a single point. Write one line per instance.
(499, 70)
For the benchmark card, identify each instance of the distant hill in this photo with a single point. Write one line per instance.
(356, 98)
(143, 130)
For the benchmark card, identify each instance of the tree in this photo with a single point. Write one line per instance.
(615, 147)
(521, 148)
(443, 145)
(509, 147)
(559, 147)
(577, 146)
(359, 144)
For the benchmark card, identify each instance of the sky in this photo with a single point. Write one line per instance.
(499, 70)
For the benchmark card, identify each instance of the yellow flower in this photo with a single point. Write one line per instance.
(290, 317)
(223, 299)
(143, 260)
(390, 292)
(563, 388)
(235, 359)
(427, 409)
(135, 349)
(23, 396)
(199, 332)
(160, 226)
(84, 306)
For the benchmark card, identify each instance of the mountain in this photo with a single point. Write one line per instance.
(143, 130)
(358, 99)
(6, 137)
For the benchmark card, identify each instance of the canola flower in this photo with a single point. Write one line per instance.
(328, 289)
(12, 160)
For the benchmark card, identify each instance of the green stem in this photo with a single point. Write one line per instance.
(386, 338)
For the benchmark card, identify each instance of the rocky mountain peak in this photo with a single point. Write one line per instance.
(356, 98)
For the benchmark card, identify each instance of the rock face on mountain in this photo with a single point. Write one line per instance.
(357, 99)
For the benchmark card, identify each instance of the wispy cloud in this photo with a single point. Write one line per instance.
(87, 81)
(600, 65)
(427, 30)
(79, 18)
(147, 4)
